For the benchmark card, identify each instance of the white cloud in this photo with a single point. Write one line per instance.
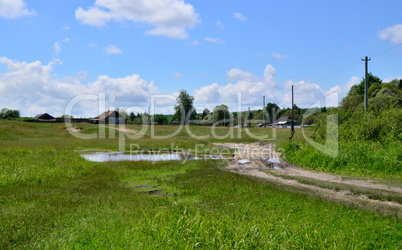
(343, 89)
(11, 9)
(251, 88)
(305, 93)
(214, 40)
(195, 43)
(393, 33)
(169, 18)
(57, 46)
(220, 24)
(390, 78)
(239, 16)
(66, 27)
(93, 46)
(177, 75)
(279, 56)
(32, 88)
(111, 49)
(235, 75)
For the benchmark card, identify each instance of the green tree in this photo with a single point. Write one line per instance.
(221, 114)
(9, 114)
(132, 116)
(296, 114)
(351, 101)
(205, 112)
(374, 89)
(358, 89)
(184, 110)
(160, 119)
(272, 110)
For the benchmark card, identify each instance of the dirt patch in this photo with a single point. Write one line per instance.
(127, 130)
(74, 129)
(260, 160)
(256, 150)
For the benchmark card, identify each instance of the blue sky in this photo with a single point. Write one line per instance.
(53, 51)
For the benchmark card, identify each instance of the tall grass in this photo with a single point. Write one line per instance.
(370, 144)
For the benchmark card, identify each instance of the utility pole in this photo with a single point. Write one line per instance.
(263, 111)
(149, 115)
(366, 59)
(248, 117)
(293, 115)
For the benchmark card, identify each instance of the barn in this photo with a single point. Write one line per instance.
(45, 118)
(110, 117)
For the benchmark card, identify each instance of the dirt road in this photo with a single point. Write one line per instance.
(261, 160)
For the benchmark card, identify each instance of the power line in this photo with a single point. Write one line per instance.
(357, 62)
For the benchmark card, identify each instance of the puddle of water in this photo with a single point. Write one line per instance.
(274, 160)
(277, 168)
(104, 157)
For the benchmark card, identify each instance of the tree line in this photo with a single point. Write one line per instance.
(381, 96)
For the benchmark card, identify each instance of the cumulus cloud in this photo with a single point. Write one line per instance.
(388, 79)
(214, 40)
(306, 93)
(111, 49)
(220, 24)
(251, 88)
(393, 33)
(195, 43)
(239, 16)
(344, 88)
(169, 18)
(279, 56)
(11, 9)
(177, 75)
(57, 46)
(32, 88)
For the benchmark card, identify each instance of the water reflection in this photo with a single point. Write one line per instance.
(107, 156)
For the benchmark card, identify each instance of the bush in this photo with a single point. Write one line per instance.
(369, 144)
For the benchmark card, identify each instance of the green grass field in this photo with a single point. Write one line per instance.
(50, 197)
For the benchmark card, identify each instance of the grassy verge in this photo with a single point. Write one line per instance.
(354, 158)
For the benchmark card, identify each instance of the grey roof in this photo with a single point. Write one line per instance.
(108, 113)
(44, 116)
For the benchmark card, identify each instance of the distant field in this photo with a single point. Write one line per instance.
(50, 197)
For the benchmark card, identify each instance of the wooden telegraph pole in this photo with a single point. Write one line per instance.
(366, 59)
(292, 131)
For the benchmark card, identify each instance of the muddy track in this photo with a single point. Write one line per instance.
(261, 160)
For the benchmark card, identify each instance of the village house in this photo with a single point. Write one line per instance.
(45, 118)
(110, 117)
(284, 122)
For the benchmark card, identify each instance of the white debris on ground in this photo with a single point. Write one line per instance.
(243, 161)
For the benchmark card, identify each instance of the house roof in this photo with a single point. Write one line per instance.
(44, 116)
(283, 120)
(109, 113)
